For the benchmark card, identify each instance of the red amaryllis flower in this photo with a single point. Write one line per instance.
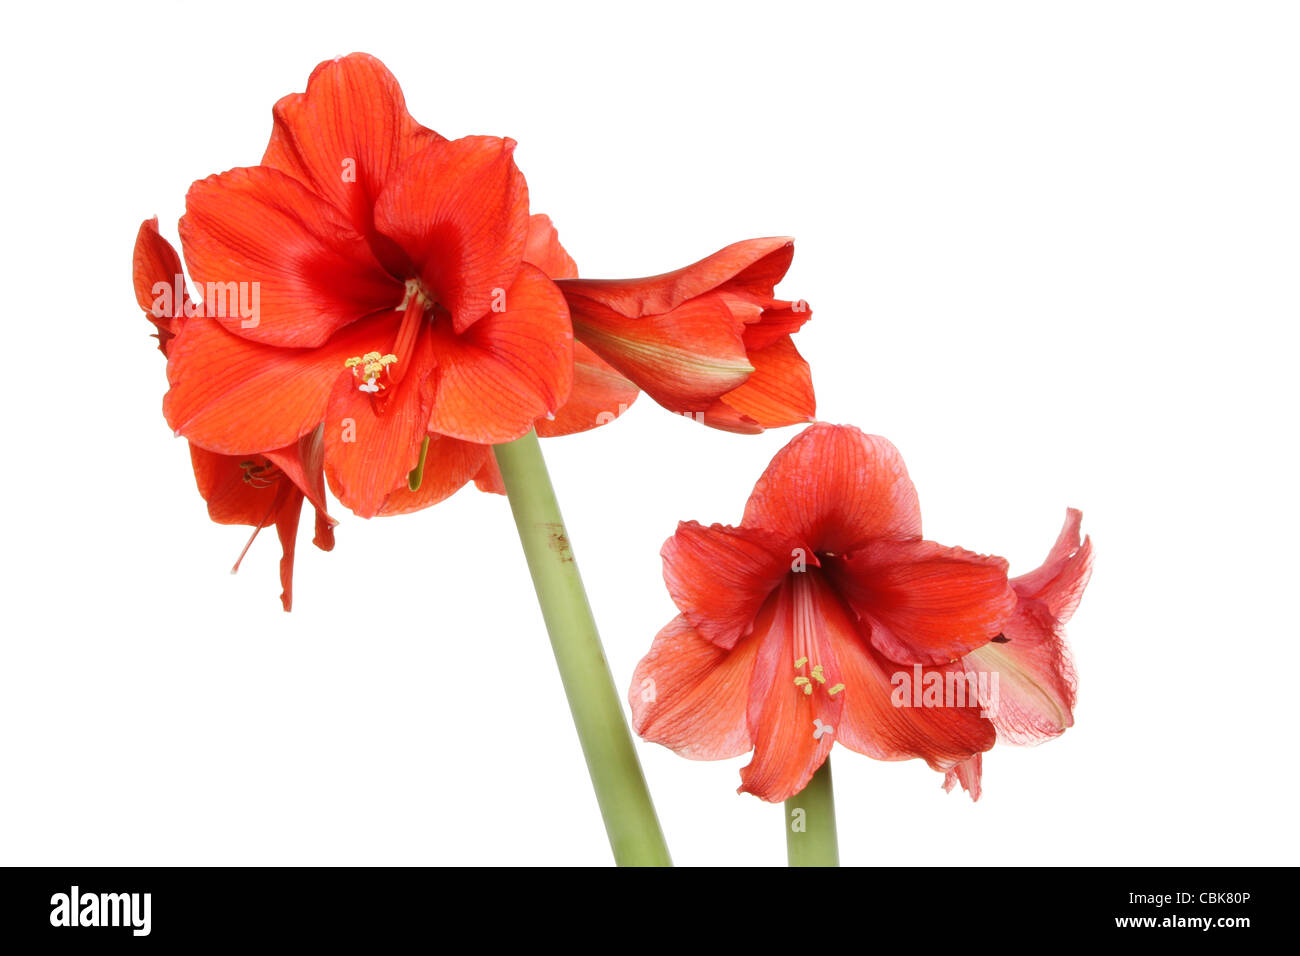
(255, 489)
(802, 625)
(710, 340)
(382, 288)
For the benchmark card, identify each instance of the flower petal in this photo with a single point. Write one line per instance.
(1060, 581)
(1031, 679)
(683, 359)
(286, 529)
(719, 576)
(459, 209)
(275, 263)
(543, 249)
(968, 774)
(834, 489)
(345, 137)
(690, 695)
(776, 319)
(507, 369)
(1036, 684)
(752, 266)
(373, 440)
(303, 463)
(925, 603)
(489, 478)
(238, 397)
(793, 727)
(230, 498)
(157, 275)
(779, 392)
(448, 465)
(887, 717)
(599, 395)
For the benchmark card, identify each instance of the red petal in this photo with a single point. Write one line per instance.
(231, 499)
(776, 320)
(1060, 581)
(835, 488)
(719, 577)
(543, 249)
(275, 263)
(968, 774)
(448, 465)
(792, 730)
(779, 392)
(924, 603)
(373, 441)
(752, 266)
(727, 419)
(508, 368)
(683, 359)
(286, 528)
(157, 274)
(882, 718)
(599, 395)
(690, 695)
(1033, 697)
(459, 210)
(303, 463)
(489, 477)
(345, 137)
(239, 397)
(1036, 683)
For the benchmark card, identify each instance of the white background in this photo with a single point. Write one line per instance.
(1052, 254)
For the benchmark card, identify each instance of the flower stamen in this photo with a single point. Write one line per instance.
(368, 368)
(259, 476)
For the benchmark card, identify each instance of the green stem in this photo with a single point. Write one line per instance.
(625, 805)
(810, 838)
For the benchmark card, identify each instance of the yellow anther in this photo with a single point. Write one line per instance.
(415, 290)
(808, 689)
(800, 663)
(801, 681)
(369, 367)
(835, 690)
(817, 674)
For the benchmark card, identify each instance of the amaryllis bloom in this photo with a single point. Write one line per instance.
(826, 616)
(260, 489)
(383, 291)
(709, 341)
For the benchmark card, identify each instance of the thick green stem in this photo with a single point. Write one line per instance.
(625, 804)
(810, 838)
